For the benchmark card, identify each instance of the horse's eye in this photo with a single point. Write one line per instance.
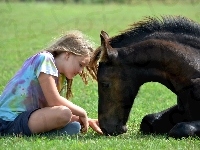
(105, 84)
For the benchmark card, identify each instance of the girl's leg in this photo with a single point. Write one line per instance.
(49, 118)
(41, 120)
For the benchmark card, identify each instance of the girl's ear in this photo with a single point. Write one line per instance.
(67, 55)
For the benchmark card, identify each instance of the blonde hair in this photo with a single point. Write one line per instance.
(79, 44)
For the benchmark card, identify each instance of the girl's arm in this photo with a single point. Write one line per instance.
(53, 98)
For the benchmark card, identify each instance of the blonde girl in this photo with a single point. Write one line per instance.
(31, 102)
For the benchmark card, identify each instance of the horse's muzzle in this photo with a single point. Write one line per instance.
(114, 131)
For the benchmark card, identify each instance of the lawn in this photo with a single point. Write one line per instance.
(26, 28)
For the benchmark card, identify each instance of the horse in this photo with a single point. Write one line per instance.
(163, 49)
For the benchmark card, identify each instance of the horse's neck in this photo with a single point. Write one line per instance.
(156, 52)
(160, 60)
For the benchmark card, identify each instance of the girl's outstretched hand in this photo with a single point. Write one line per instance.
(94, 124)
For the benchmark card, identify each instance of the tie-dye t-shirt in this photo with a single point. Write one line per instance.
(23, 91)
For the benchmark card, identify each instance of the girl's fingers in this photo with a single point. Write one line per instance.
(85, 124)
(94, 124)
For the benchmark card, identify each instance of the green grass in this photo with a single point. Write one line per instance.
(28, 27)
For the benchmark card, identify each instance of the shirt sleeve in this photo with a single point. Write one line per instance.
(46, 64)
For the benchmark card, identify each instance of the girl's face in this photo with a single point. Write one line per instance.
(74, 64)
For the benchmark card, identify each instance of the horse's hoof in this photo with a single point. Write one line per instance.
(147, 124)
(182, 130)
(146, 128)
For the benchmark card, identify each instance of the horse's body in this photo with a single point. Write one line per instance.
(165, 51)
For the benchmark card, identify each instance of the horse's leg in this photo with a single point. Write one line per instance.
(191, 100)
(162, 122)
(185, 129)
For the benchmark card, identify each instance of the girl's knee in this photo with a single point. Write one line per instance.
(64, 115)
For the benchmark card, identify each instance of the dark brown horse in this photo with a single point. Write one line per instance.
(165, 50)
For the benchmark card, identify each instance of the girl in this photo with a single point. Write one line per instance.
(31, 102)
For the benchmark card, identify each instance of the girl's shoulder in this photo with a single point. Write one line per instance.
(40, 58)
(44, 54)
(44, 62)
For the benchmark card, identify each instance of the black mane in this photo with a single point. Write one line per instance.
(150, 25)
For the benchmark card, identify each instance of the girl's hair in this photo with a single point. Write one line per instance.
(79, 44)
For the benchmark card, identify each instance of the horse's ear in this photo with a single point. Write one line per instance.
(104, 36)
(107, 51)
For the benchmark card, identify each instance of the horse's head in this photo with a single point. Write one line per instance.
(115, 89)
(154, 50)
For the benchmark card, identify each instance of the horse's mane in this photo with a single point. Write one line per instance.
(146, 27)
(149, 25)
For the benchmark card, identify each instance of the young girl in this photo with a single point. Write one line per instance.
(31, 102)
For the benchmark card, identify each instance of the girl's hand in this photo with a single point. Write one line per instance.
(84, 123)
(94, 124)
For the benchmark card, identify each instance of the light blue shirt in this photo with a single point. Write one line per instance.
(23, 92)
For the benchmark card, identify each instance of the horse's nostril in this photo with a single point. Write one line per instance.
(124, 128)
(121, 129)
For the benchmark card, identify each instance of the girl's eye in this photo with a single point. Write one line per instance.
(80, 65)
